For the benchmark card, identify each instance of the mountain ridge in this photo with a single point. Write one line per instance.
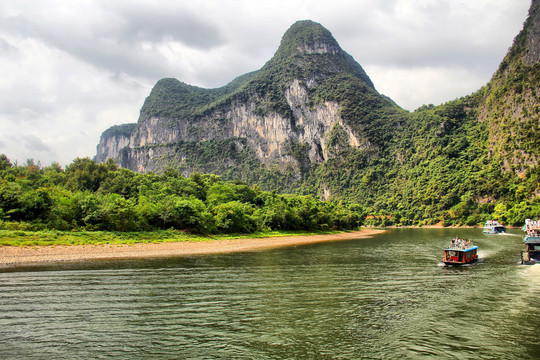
(299, 90)
(310, 121)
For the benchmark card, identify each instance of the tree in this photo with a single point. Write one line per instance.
(4, 162)
(85, 174)
(234, 217)
(219, 194)
(500, 212)
(117, 213)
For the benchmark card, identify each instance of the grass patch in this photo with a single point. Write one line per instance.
(57, 238)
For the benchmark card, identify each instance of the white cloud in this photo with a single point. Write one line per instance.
(72, 69)
(427, 85)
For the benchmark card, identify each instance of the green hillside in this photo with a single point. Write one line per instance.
(462, 162)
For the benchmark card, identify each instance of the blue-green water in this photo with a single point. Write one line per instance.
(379, 298)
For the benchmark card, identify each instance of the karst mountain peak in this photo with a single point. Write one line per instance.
(288, 114)
(311, 121)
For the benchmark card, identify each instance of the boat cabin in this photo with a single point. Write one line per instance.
(531, 254)
(454, 256)
(460, 252)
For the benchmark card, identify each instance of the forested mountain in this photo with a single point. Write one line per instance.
(310, 121)
(267, 127)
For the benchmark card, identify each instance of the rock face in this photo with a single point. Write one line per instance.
(532, 34)
(285, 113)
(113, 140)
(512, 100)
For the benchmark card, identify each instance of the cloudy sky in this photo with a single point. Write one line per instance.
(71, 69)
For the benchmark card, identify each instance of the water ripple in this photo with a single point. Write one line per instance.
(377, 299)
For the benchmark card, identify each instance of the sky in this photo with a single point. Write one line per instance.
(71, 69)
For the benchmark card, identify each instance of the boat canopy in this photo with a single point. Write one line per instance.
(462, 250)
(531, 239)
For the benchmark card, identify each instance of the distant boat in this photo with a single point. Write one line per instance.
(460, 252)
(494, 227)
(531, 254)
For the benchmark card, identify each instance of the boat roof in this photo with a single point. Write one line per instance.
(531, 239)
(462, 250)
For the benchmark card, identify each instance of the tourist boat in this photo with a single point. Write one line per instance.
(460, 252)
(494, 227)
(531, 254)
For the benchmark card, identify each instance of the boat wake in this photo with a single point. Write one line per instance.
(482, 254)
(531, 275)
(532, 270)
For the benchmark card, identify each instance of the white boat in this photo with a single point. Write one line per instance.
(494, 227)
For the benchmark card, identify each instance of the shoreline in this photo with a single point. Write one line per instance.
(12, 257)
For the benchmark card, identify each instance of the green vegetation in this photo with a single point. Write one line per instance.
(437, 168)
(173, 99)
(83, 237)
(231, 158)
(459, 163)
(103, 198)
(124, 130)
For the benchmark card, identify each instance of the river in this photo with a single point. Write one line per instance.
(386, 297)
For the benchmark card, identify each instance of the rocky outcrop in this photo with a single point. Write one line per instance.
(268, 135)
(113, 140)
(532, 28)
(512, 101)
(279, 113)
(174, 112)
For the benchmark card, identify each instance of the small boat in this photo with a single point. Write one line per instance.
(460, 252)
(531, 254)
(494, 227)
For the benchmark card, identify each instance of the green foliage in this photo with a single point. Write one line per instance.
(124, 130)
(4, 162)
(85, 174)
(234, 217)
(102, 197)
(174, 99)
(435, 166)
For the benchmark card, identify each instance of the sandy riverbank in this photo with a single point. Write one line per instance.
(11, 256)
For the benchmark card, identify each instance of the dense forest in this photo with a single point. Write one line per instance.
(90, 196)
(440, 167)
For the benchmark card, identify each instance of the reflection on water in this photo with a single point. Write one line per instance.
(384, 297)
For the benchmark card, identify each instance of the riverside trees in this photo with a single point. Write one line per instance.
(94, 196)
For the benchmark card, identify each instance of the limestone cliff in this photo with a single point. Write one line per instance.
(511, 108)
(113, 140)
(283, 115)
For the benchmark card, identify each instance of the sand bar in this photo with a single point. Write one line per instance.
(12, 256)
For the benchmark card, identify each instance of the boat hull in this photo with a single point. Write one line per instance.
(495, 231)
(457, 263)
(531, 254)
(529, 257)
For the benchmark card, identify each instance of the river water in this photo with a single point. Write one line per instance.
(386, 297)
